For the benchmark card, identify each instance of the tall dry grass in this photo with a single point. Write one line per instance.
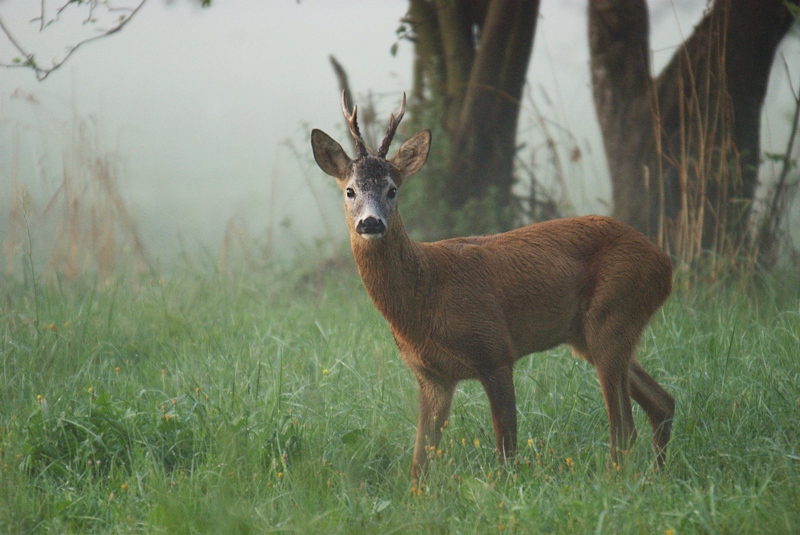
(719, 229)
(84, 226)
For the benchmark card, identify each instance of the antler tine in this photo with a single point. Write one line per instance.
(392, 128)
(352, 120)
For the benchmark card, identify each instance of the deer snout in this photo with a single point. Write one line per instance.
(371, 228)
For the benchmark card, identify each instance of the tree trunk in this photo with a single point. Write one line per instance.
(684, 148)
(620, 69)
(484, 142)
(471, 60)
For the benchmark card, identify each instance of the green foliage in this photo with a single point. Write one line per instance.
(794, 9)
(779, 158)
(277, 401)
(89, 439)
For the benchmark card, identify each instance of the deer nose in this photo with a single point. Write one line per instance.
(371, 226)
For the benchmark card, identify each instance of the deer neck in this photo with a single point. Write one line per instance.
(395, 273)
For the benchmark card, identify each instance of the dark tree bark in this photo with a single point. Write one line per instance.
(473, 56)
(484, 140)
(685, 146)
(620, 65)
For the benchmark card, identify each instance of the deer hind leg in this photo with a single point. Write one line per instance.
(499, 387)
(435, 396)
(657, 403)
(612, 360)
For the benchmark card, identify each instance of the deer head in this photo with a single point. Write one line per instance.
(370, 181)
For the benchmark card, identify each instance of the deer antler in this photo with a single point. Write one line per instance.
(390, 130)
(361, 147)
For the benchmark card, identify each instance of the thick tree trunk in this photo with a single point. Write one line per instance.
(620, 69)
(458, 54)
(471, 60)
(684, 148)
(428, 68)
(484, 140)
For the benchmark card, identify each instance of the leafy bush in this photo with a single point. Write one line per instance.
(102, 436)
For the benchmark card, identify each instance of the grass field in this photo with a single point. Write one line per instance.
(277, 402)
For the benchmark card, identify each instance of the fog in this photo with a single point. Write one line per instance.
(208, 111)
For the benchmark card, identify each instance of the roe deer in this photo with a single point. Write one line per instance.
(468, 308)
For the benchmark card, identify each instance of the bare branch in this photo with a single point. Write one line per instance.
(30, 59)
(771, 221)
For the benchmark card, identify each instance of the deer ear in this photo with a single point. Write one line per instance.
(330, 156)
(413, 153)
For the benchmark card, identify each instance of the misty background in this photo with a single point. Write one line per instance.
(208, 112)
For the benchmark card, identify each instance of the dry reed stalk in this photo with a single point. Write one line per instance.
(237, 237)
(707, 165)
(85, 223)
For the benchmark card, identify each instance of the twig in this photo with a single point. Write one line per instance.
(30, 61)
(771, 219)
(29, 57)
(787, 155)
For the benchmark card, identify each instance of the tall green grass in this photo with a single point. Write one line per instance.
(277, 401)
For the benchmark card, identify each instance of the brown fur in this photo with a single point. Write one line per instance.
(469, 308)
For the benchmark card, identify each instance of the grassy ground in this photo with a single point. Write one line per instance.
(278, 402)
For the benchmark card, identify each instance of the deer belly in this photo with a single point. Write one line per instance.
(533, 336)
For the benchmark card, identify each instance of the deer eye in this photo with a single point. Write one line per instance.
(351, 194)
(392, 193)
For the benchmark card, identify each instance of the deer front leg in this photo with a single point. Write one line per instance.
(499, 387)
(435, 396)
